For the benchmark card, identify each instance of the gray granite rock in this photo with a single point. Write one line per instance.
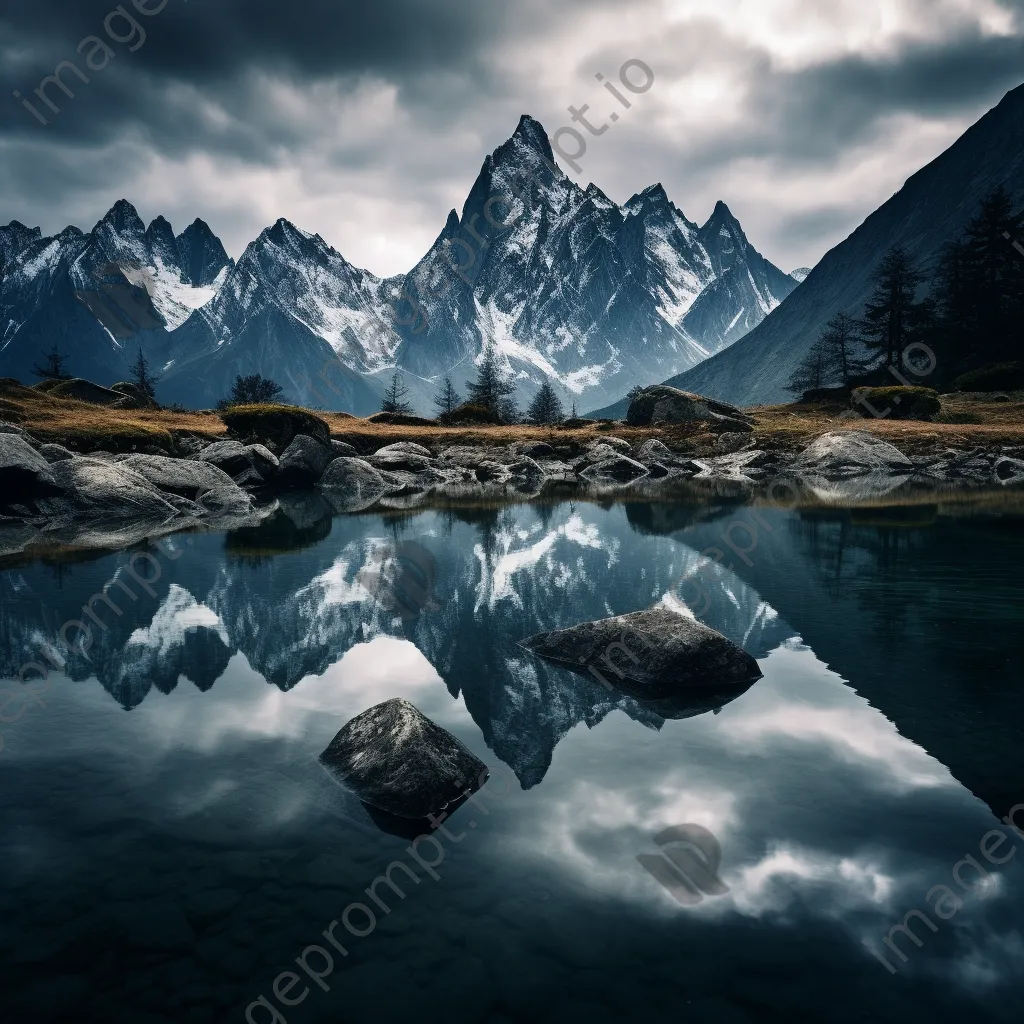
(352, 484)
(24, 474)
(395, 758)
(303, 462)
(651, 653)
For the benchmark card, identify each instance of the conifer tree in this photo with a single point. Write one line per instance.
(145, 381)
(546, 407)
(53, 365)
(492, 389)
(893, 319)
(394, 398)
(447, 398)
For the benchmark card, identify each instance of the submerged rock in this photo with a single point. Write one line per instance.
(649, 654)
(395, 758)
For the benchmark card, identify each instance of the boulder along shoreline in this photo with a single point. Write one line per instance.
(46, 490)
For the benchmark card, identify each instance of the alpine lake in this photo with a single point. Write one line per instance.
(173, 851)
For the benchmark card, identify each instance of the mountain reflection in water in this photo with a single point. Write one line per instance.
(195, 845)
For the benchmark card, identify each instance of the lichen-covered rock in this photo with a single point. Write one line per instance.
(343, 450)
(396, 458)
(532, 449)
(664, 404)
(96, 487)
(617, 443)
(653, 450)
(651, 653)
(407, 448)
(230, 456)
(303, 462)
(1008, 472)
(395, 758)
(55, 453)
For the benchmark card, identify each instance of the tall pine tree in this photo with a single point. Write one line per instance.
(53, 366)
(493, 389)
(145, 380)
(447, 398)
(893, 319)
(842, 345)
(546, 408)
(394, 398)
(813, 370)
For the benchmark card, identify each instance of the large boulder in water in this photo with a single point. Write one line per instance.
(198, 481)
(352, 484)
(845, 453)
(395, 758)
(96, 487)
(649, 654)
(664, 404)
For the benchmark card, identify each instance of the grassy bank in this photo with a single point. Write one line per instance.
(85, 427)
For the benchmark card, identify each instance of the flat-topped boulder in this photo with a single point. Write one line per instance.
(96, 487)
(395, 758)
(650, 654)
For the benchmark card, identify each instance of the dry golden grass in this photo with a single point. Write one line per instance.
(86, 427)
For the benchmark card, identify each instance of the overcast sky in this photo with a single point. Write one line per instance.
(367, 122)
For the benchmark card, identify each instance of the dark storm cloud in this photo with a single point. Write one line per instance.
(258, 91)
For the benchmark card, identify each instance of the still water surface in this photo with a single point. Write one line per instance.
(170, 844)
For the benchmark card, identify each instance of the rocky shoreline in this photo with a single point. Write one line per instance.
(50, 492)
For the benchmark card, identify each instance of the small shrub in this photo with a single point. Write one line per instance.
(897, 403)
(277, 424)
(994, 377)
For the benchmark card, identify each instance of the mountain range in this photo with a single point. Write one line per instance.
(567, 286)
(931, 209)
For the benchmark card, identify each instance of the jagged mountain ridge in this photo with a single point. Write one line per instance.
(101, 296)
(579, 291)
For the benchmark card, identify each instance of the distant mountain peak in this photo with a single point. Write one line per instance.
(801, 274)
(123, 218)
